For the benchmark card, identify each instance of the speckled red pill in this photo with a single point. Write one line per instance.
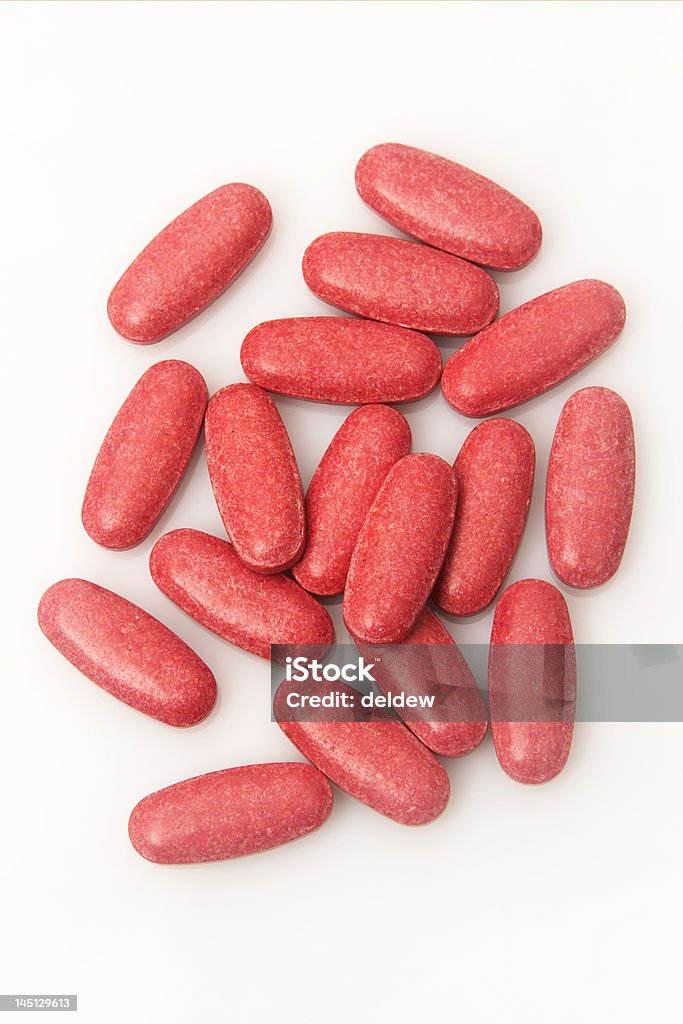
(127, 652)
(532, 681)
(144, 454)
(449, 206)
(204, 576)
(533, 347)
(400, 549)
(377, 761)
(338, 359)
(494, 472)
(400, 282)
(255, 478)
(590, 485)
(368, 443)
(189, 263)
(433, 667)
(230, 813)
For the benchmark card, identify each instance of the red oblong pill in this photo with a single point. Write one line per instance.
(400, 282)
(127, 652)
(532, 681)
(400, 549)
(204, 576)
(379, 761)
(255, 478)
(338, 359)
(230, 813)
(533, 347)
(494, 472)
(429, 662)
(448, 206)
(590, 486)
(144, 454)
(189, 263)
(368, 443)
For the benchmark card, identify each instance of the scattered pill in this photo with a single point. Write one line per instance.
(127, 652)
(204, 576)
(255, 478)
(494, 472)
(378, 761)
(448, 206)
(368, 443)
(341, 360)
(429, 664)
(591, 480)
(533, 347)
(400, 282)
(144, 454)
(230, 813)
(189, 263)
(532, 681)
(400, 549)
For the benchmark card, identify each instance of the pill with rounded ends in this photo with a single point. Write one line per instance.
(400, 282)
(144, 454)
(428, 663)
(448, 206)
(590, 485)
(400, 549)
(189, 263)
(127, 652)
(494, 472)
(532, 681)
(341, 360)
(378, 761)
(533, 347)
(368, 443)
(204, 576)
(230, 813)
(255, 478)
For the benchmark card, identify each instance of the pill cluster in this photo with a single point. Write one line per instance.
(386, 528)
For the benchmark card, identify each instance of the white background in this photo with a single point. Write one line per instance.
(519, 904)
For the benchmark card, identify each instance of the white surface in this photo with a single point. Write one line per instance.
(519, 904)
